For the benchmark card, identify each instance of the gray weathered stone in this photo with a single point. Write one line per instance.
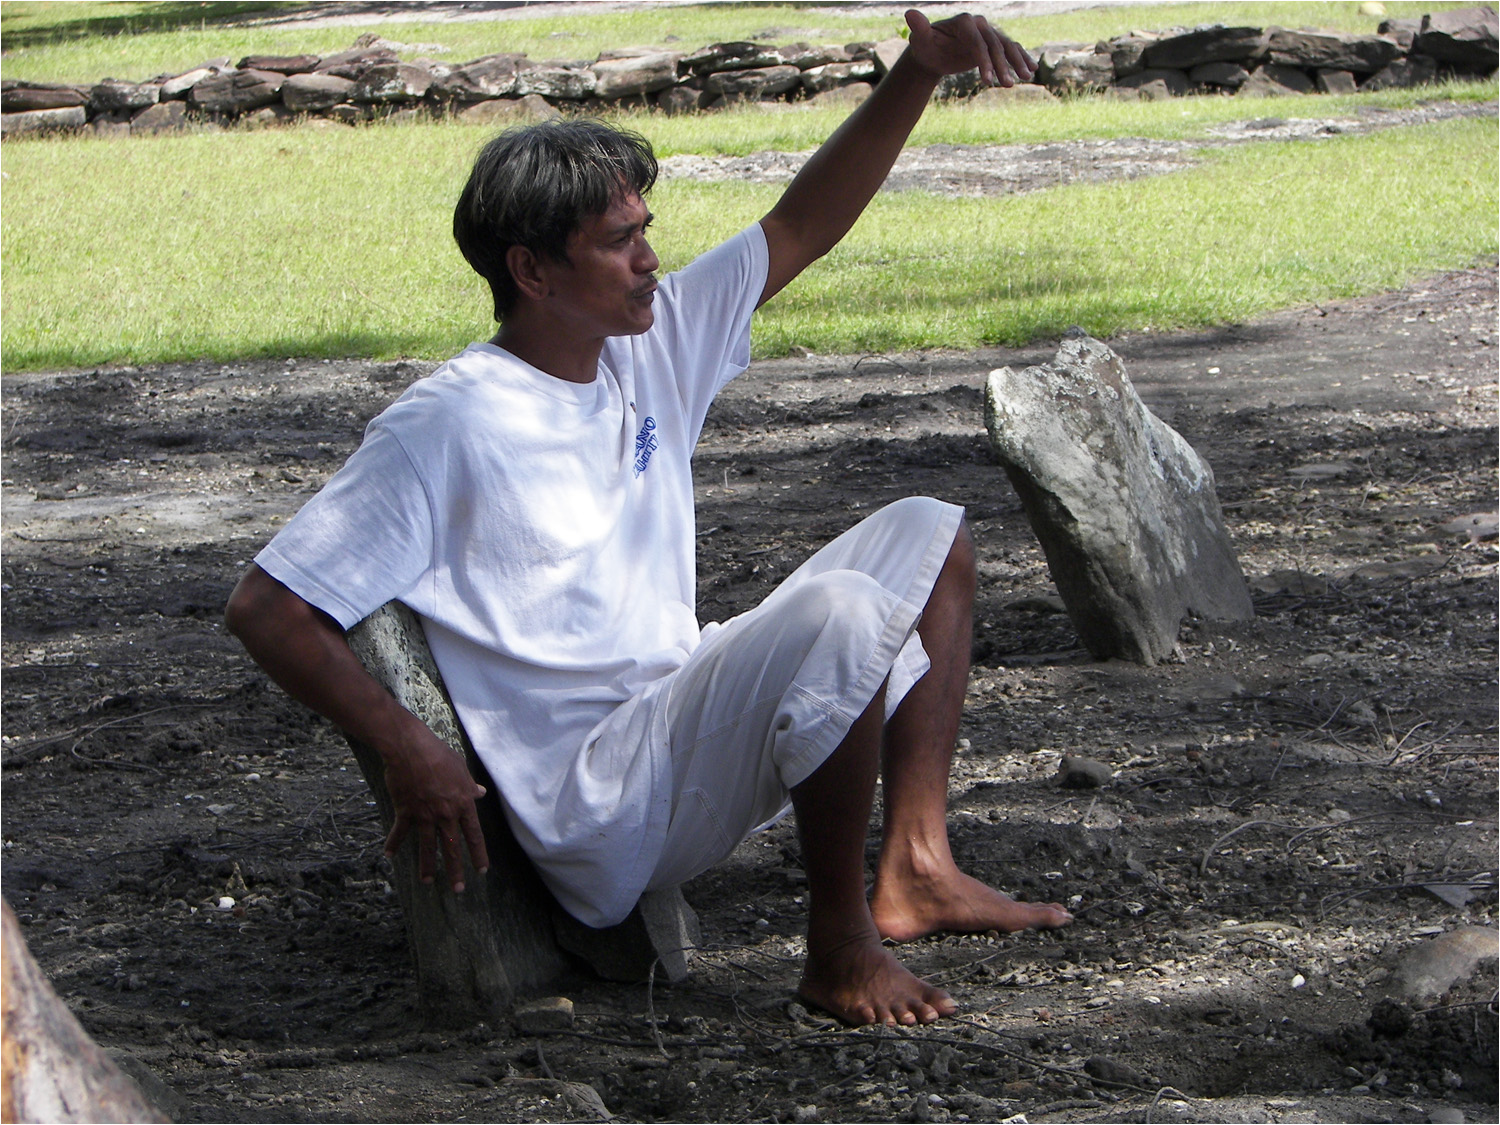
(820, 78)
(749, 85)
(281, 64)
(1157, 83)
(1427, 971)
(313, 93)
(27, 97)
(562, 82)
(237, 92)
(805, 57)
(268, 117)
(347, 113)
(681, 99)
(511, 111)
(623, 78)
(164, 117)
(493, 76)
(850, 94)
(43, 120)
(1336, 82)
(1126, 52)
(112, 94)
(1124, 509)
(722, 56)
(1414, 70)
(964, 84)
(1329, 50)
(1048, 55)
(887, 51)
(1231, 76)
(1402, 31)
(1074, 772)
(1272, 81)
(1466, 38)
(179, 85)
(1204, 45)
(1009, 95)
(113, 124)
(390, 83)
(1080, 72)
(354, 62)
(754, 56)
(661, 930)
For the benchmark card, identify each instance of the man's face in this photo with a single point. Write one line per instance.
(607, 285)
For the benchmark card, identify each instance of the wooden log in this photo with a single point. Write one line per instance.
(50, 1070)
(477, 952)
(469, 968)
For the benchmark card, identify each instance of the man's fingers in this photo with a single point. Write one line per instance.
(453, 860)
(426, 850)
(399, 829)
(474, 837)
(919, 24)
(1020, 61)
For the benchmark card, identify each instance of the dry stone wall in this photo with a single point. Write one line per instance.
(371, 82)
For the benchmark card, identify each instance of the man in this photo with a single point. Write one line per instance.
(532, 501)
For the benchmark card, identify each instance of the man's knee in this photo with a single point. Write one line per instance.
(833, 600)
(961, 565)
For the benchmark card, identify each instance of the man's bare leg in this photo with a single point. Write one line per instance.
(918, 888)
(848, 971)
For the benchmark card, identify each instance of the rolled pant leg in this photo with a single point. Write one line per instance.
(769, 695)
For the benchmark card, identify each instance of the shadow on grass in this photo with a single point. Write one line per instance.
(379, 346)
(23, 26)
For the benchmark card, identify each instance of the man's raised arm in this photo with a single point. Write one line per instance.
(833, 187)
(303, 650)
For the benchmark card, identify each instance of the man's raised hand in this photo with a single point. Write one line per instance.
(963, 42)
(434, 794)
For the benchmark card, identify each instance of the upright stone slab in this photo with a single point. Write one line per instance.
(1467, 38)
(478, 951)
(1124, 508)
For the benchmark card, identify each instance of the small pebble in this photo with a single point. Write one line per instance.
(226, 903)
(1298, 981)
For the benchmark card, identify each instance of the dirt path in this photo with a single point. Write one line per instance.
(969, 170)
(1244, 888)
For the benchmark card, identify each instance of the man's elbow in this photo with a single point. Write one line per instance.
(251, 603)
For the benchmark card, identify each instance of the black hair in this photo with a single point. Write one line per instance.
(534, 186)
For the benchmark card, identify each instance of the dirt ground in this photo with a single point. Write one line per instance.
(1300, 803)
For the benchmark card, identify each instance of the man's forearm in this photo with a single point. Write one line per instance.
(833, 188)
(305, 653)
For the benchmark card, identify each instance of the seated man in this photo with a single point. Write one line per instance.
(532, 501)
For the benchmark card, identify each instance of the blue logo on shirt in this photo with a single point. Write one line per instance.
(645, 445)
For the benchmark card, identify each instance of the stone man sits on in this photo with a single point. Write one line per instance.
(532, 501)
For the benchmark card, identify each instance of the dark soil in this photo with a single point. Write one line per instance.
(1284, 796)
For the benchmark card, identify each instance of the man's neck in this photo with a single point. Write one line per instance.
(550, 351)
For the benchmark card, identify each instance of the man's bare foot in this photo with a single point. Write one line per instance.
(861, 982)
(908, 908)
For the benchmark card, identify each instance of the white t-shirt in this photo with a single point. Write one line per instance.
(544, 532)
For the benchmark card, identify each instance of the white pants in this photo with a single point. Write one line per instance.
(769, 695)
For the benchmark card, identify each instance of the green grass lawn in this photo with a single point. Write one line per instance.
(336, 242)
(84, 42)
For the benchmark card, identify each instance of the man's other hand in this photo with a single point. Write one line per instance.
(434, 795)
(963, 42)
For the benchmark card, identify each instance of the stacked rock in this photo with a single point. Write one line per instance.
(371, 82)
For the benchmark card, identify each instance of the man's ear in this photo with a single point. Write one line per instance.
(526, 270)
